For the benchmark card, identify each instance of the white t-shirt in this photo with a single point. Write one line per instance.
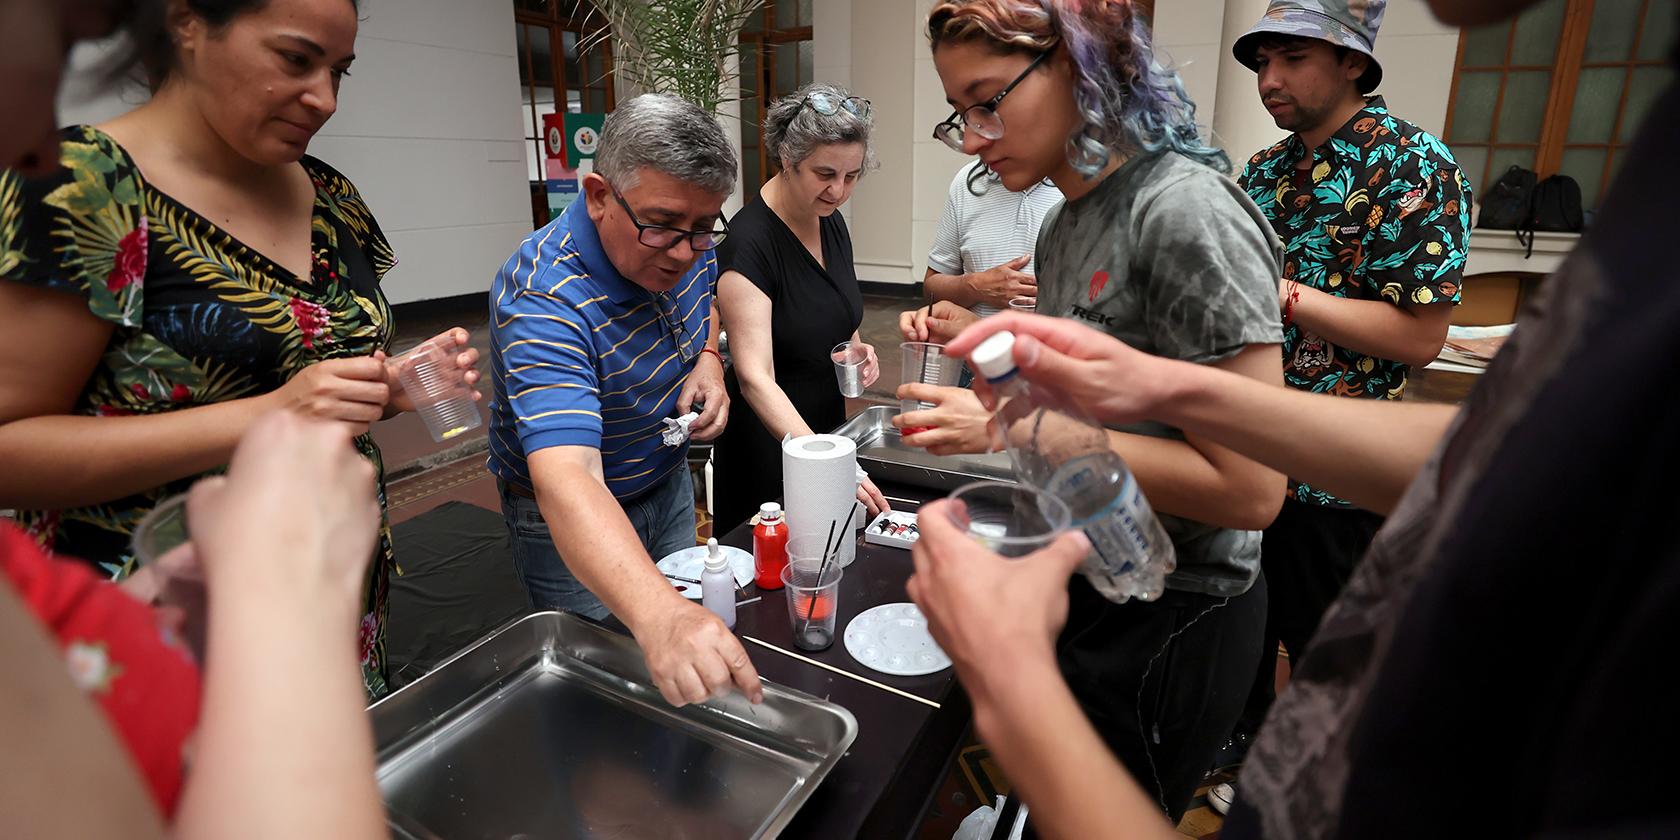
(978, 232)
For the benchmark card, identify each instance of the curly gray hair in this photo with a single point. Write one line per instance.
(668, 134)
(793, 131)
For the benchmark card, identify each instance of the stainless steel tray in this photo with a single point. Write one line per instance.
(883, 454)
(551, 728)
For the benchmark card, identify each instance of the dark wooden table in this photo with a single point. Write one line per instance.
(883, 786)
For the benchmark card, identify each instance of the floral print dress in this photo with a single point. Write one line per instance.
(197, 317)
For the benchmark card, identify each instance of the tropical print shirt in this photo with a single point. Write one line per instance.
(197, 318)
(1381, 213)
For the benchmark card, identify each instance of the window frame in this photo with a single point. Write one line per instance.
(762, 44)
(1565, 70)
(583, 23)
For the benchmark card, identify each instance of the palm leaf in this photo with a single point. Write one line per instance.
(672, 46)
(222, 382)
(11, 223)
(156, 361)
(256, 294)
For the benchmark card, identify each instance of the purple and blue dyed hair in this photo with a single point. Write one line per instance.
(1130, 102)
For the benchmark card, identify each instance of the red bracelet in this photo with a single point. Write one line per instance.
(714, 352)
(1289, 302)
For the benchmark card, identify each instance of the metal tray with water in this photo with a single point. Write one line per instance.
(884, 455)
(551, 727)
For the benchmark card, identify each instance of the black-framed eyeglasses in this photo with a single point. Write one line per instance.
(665, 236)
(827, 104)
(982, 118)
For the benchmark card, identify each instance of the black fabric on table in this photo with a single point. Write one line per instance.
(457, 584)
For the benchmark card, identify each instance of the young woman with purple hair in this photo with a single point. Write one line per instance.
(1158, 247)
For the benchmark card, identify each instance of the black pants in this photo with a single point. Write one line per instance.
(1308, 554)
(1163, 682)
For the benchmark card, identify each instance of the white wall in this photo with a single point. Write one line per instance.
(1187, 39)
(882, 58)
(831, 53)
(1417, 53)
(934, 161)
(878, 49)
(428, 129)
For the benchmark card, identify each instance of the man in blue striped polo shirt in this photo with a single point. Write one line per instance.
(601, 327)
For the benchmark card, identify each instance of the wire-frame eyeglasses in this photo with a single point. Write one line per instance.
(982, 118)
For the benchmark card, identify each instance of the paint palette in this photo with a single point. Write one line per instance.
(894, 529)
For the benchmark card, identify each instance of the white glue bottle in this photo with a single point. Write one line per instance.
(717, 585)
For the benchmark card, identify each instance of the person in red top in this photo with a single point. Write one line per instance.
(274, 742)
(147, 686)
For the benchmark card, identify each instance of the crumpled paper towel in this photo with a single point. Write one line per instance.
(676, 429)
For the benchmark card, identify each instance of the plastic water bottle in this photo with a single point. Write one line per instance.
(1061, 450)
(717, 585)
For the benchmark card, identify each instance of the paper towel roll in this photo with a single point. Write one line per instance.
(819, 488)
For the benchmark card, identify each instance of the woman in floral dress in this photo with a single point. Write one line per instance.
(187, 270)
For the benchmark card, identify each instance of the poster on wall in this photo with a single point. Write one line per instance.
(583, 135)
(562, 180)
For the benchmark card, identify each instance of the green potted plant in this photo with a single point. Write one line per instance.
(674, 46)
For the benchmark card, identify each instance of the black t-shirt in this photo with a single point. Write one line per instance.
(812, 308)
(1499, 665)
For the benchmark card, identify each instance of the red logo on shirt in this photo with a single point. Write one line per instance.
(1098, 281)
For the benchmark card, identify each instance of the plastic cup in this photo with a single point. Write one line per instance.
(810, 547)
(1023, 304)
(848, 367)
(1013, 520)
(160, 531)
(438, 386)
(927, 364)
(813, 594)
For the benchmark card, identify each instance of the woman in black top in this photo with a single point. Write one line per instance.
(789, 294)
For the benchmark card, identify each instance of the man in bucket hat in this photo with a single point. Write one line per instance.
(1375, 219)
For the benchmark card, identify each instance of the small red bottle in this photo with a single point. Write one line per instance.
(770, 538)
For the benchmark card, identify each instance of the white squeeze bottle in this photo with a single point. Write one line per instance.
(717, 585)
(1059, 449)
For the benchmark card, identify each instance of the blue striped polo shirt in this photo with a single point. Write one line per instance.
(581, 356)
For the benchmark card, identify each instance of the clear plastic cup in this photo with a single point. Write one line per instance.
(160, 531)
(1023, 304)
(848, 367)
(927, 363)
(430, 376)
(1013, 520)
(813, 593)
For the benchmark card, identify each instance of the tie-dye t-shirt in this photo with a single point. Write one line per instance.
(1172, 258)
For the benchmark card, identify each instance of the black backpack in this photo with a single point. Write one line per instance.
(1557, 206)
(1510, 202)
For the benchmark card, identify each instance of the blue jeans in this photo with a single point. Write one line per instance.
(663, 517)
